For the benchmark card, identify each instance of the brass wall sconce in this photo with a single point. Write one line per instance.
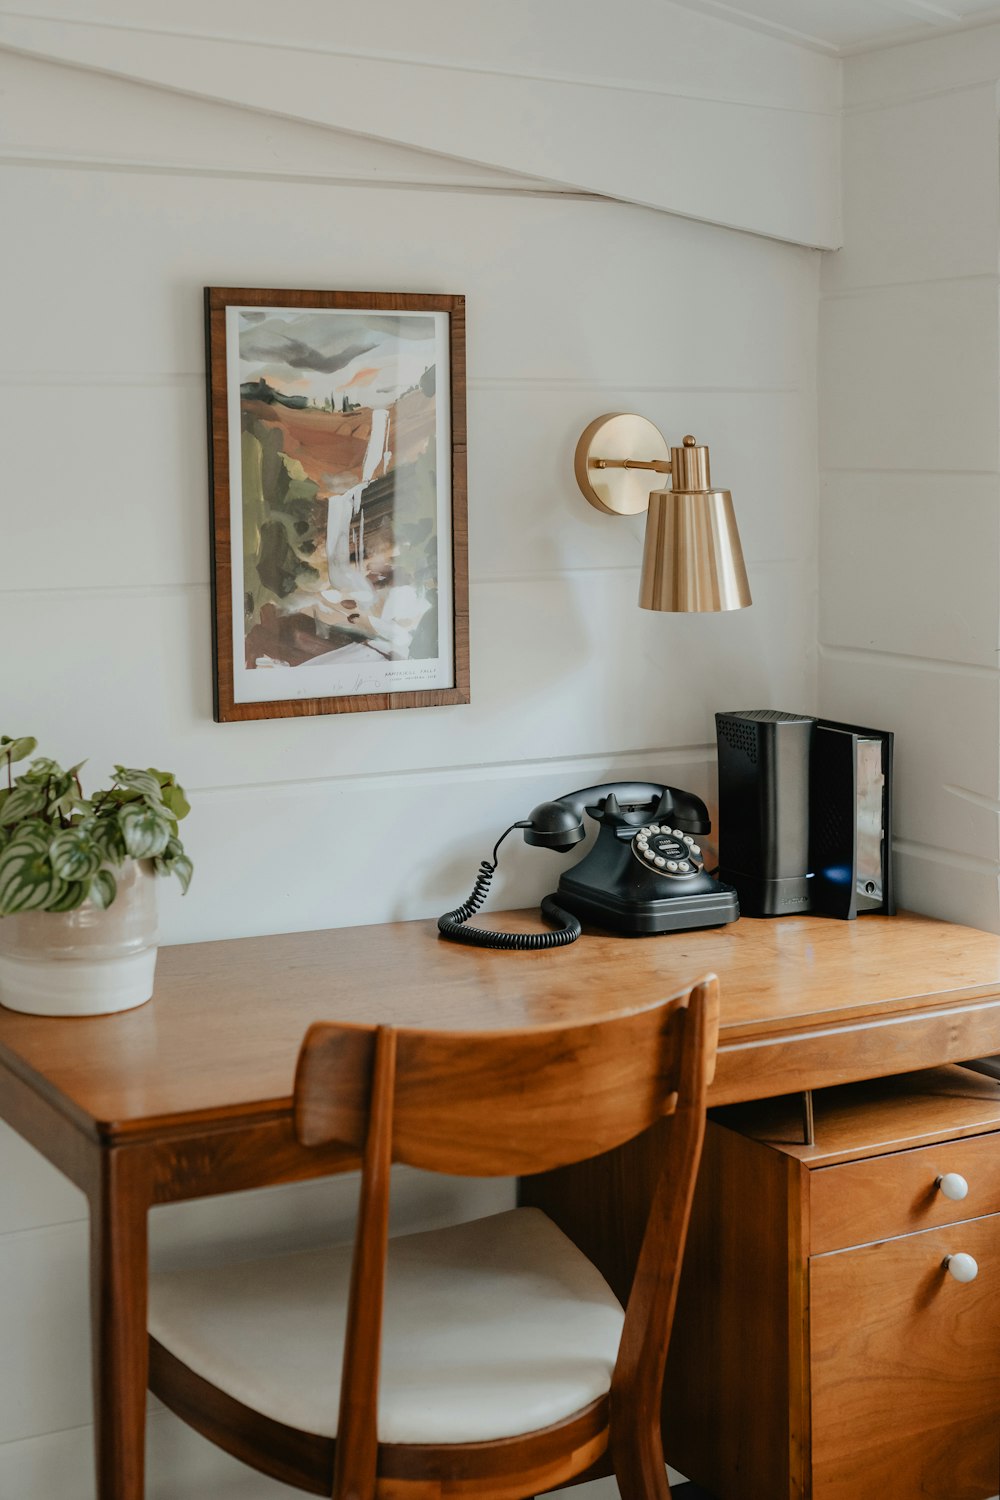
(692, 559)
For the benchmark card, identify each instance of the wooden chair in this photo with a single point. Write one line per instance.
(494, 1360)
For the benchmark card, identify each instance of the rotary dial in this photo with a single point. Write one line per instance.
(667, 851)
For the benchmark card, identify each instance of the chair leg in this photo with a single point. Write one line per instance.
(640, 1468)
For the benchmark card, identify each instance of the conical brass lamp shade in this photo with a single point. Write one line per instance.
(692, 560)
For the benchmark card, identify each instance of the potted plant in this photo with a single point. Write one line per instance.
(77, 883)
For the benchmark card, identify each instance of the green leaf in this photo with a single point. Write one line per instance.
(144, 782)
(73, 893)
(103, 889)
(11, 750)
(184, 870)
(27, 879)
(173, 792)
(32, 833)
(146, 830)
(74, 855)
(174, 861)
(107, 835)
(69, 806)
(61, 796)
(24, 800)
(174, 798)
(40, 770)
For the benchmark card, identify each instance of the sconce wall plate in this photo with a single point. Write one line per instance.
(621, 437)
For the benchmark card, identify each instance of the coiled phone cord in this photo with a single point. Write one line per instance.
(452, 924)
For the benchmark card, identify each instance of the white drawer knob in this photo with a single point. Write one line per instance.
(962, 1267)
(954, 1186)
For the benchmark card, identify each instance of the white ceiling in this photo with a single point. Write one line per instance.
(851, 25)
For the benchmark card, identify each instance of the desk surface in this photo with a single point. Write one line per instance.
(806, 1001)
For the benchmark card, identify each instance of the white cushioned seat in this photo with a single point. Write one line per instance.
(492, 1329)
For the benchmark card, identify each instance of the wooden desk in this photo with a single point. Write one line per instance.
(191, 1094)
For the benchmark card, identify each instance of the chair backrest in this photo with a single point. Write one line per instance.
(503, 1103)
(507, 1103)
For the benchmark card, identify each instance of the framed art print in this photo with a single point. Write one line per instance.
(337, 453)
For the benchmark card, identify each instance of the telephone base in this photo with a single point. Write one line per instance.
(647, 918)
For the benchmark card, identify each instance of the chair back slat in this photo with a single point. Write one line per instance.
(356, 1456)
(508, 1103)
(638, 1378)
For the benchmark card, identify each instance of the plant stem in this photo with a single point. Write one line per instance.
(102, 797)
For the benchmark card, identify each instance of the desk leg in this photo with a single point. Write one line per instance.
(118, 1269)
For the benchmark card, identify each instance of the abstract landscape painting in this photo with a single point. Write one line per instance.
(338, 501)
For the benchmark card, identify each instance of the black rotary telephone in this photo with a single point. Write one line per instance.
(645, 874)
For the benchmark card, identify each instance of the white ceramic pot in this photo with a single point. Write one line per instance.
(86, 962)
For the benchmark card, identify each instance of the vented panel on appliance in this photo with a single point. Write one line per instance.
(764, 758)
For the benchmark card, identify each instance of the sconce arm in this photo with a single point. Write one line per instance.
(658, 465)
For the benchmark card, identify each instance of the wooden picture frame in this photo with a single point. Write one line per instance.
(340, 530)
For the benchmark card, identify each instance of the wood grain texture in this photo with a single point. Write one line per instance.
(859, 1374)
(500, 1104)
(357, 1427)
(898, 1194)
(833, 1055)
(867, 1119)
(734, 1416)
(217, 299)
(905, 1370)
(801, 998)
(494, 1103)
(58, 1138)
(637, 1385)
(118, 1274)
(233, 1158)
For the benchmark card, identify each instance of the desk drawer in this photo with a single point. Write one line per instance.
(905, 1368)
(883, 1196)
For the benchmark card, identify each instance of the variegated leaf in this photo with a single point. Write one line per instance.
(73, 893)
(103, 889)
(41, 769)
(146, 830)
(173, 861)
(33, 832)
(27, 879)
(74, 855)
(24, 800)
(138, 781)
(108, 837)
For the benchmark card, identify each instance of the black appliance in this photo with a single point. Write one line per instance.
(645, 873)
(805, 814)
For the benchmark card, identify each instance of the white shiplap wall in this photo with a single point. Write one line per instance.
(653, 105)
(124, 201)
(910, 453)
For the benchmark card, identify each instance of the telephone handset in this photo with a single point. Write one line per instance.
(645, 873)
